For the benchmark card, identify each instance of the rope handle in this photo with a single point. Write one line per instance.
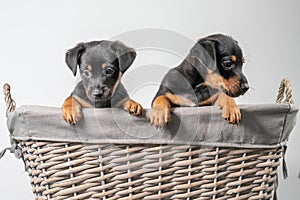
(285, 90)
(10, 103)
(10, 107)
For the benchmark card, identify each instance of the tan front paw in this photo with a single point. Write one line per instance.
(71, 111)
(133, 107)
(231, 113)
(160, 116)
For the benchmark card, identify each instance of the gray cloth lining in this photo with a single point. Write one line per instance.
(262, 126)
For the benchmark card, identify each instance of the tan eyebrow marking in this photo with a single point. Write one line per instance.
(90, 68)
(103, 65)
(243, 59)
(233, 58)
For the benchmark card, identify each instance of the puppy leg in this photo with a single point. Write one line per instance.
(179, 100)
(71, 110)
(209, 101)
(230, 111)
(133, 107)
(160, 114)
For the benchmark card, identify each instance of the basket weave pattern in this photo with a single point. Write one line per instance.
(86, 171)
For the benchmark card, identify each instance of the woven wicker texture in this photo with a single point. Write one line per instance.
(76, 171)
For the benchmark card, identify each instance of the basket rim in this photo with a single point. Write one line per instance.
(263, 126)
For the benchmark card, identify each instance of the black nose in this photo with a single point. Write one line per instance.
(244, 88)
(98, 93)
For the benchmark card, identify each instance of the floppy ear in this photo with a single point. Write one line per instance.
(205, 51)
(73, 55)
(125, 55)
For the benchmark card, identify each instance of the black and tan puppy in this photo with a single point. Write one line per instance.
(101, 65)
(211, 74)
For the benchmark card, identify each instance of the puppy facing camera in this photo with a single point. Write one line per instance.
(101, 65)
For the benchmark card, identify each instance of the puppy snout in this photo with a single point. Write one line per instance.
(244, 88)
(99, 91)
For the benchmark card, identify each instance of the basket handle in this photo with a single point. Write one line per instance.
(10, 107)
(10, 103)
(285, 90)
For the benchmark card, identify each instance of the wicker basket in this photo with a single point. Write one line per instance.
(97, 159)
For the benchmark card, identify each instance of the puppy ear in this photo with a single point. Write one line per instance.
(205, 51)
(125, 55)
(73, 55)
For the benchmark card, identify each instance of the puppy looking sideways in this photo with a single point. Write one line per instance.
(101, 65)
(211, 74)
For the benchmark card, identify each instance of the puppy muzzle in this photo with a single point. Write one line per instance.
(244, 88)
(236, 91)
(101, 93)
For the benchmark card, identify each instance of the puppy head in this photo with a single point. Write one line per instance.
(101, 65)
(219, 59)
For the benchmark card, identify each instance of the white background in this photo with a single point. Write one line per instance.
(34, 36)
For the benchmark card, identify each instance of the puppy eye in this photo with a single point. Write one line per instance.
(109, 71)
(87, 73)
(227, 63)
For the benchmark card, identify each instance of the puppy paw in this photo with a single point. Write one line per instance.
(71, 111)
(231, 113)
(133, 108)
(160, 116)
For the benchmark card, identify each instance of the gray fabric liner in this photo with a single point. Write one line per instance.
(262, 126)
